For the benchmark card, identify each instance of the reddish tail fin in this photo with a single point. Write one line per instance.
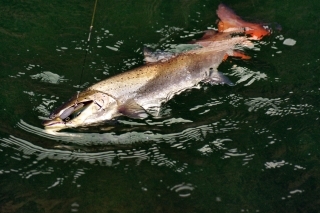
(230, 21)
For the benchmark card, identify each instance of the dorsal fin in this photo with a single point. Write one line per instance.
(151, 56)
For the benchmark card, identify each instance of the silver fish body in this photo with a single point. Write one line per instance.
(136, 93)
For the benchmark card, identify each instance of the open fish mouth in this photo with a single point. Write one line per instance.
(67, 115)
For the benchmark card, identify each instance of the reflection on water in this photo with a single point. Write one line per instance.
(131, 135)
(89, 146)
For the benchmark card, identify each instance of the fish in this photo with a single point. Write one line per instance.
(140, 92)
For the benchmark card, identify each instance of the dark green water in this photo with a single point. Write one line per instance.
(253, 147)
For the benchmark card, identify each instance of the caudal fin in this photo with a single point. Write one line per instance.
(229, 21)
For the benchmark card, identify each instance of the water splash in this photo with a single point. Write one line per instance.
(49, 77)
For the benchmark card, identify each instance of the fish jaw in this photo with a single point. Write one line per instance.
(84, 109)
(56, 123)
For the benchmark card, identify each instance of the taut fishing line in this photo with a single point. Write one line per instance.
(88, 44)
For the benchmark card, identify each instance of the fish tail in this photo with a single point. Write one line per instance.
(229, 21)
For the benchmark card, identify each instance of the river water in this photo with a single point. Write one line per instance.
(253, 147)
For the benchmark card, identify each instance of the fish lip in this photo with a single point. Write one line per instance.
(53, 122)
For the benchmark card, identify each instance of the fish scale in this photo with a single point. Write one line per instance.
(137, 92)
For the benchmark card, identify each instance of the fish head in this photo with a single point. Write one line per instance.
(85, 108)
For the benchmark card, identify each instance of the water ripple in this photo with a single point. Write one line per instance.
(109, 148)
(247, 75)
(294, 109)
(183, 189)
(130, 137)
(258, 103)
(274, 106)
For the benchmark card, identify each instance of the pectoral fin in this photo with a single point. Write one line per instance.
(132, 110)
(215, 77)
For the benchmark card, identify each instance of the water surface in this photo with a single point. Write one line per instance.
(248, 148)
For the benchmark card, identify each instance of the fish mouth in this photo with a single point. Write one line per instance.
(65, 118)
(53, 122)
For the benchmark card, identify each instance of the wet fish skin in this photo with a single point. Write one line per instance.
(136, 93)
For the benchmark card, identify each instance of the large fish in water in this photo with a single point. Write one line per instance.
(140, 92)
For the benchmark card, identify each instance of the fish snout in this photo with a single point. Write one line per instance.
(53, 122)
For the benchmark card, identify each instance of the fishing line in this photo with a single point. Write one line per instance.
(87, 50)
(88, 43)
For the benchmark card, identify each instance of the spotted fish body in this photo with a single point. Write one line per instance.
(160, 79)
(139, 92)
